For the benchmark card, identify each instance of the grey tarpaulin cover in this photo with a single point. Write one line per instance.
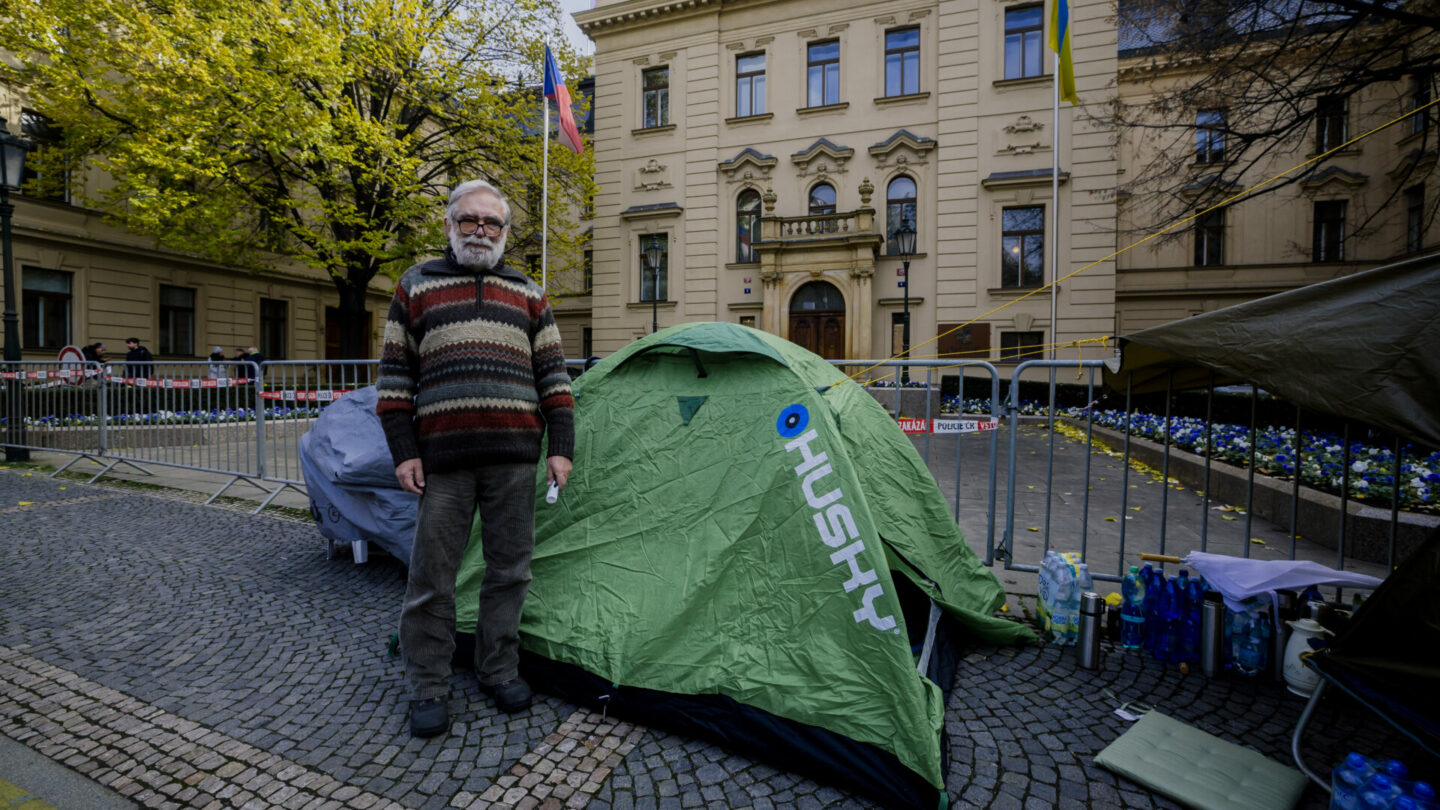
(351, 477)
(1362, 347)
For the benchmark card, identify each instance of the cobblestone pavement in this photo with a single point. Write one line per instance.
(192, 656)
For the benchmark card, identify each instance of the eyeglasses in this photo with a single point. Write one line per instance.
(470, 225)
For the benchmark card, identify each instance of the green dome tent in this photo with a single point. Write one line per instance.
(750, 549)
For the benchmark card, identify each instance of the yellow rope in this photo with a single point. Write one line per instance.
(1172, 226)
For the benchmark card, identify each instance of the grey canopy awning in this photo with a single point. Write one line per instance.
(1364, 347)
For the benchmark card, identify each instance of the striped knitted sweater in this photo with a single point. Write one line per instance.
(472, 371)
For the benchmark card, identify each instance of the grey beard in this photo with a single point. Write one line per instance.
(477, 256)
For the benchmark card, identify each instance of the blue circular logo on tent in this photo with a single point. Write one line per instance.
(792, 420)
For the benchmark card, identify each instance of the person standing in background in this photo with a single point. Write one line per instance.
(138, 360)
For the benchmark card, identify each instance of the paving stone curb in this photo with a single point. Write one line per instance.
(155, 758)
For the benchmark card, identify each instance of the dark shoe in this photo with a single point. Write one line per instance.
(428, 717)
(511, 696)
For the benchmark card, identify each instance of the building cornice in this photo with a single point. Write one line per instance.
(635, 12)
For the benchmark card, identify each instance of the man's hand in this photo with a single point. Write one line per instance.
(558, 468)
(411, 475)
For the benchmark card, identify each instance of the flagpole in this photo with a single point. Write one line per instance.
(545, 188)
(1055, 207)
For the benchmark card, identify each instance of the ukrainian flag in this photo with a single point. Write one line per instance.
(1060, 44)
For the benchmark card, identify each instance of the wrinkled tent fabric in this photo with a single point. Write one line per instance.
(1388, 656)
(694, 554)
(1361, 347)
(351, 478)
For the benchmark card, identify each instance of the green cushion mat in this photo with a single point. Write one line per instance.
(1200, 770)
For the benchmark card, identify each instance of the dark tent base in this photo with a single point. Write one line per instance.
(796, 747)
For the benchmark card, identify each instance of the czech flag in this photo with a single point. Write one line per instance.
(1060, 44)
(555, 89)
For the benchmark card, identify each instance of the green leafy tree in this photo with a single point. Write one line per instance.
(327, 131)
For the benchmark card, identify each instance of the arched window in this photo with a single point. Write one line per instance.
(899, 207)
(747, 226)
(817, 296)
(822, 199)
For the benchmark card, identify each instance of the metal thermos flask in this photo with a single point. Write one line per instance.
(1087, 646)
(1286, 610)
(1212, 634)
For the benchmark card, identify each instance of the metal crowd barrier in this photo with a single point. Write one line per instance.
(245, 422)
(1260, 517)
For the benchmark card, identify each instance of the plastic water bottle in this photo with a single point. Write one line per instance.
(1424, 796)
(1405, 803)
(1187, 629)
(1395, 769)
(1062, 578)
(1154, 610)
(1196, 601)
(1132, 632)
(1380, 792)
(1173, 616)
(1250, 637)
(1347, 781)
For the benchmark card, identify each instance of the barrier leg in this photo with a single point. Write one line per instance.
(1300, 729)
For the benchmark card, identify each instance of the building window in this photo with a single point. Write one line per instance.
(1023, 30)
(1415, 218)
(1017, 346)
(824, 73)
(42, 134)
(1210, 238)
(656, 97)
(1331, 122)
(1022, 244)
(899, 208)
(654, 282)
(897, 332)
(46, 308)
(822, 203)
(274, 315)
(747, 226)
(177, 320)
(750, 85)
(1329, 231)
(902, 62)
(587, 342)
(822, 199)
(1419, 97)
(588, 271)
(747, 320)
(1210, 136)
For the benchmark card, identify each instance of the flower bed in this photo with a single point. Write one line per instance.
(1321, 454)
(213, 416)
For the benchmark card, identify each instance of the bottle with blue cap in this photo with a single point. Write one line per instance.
(1424, 796)
(1348, 781)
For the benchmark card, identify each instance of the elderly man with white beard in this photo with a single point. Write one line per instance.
(472, 375)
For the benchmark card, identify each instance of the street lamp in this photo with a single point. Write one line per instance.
(905, 244)
(654, 254)
(12, 171)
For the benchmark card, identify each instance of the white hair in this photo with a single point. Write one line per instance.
(470, 187)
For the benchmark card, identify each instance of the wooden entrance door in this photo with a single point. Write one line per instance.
(821, 332)
(817, 320)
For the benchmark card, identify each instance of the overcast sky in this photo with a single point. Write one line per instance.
(579, 40)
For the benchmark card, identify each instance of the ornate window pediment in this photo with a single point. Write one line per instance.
(1333, 175)
(822, 158)
(750, 164)
(902, 148)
